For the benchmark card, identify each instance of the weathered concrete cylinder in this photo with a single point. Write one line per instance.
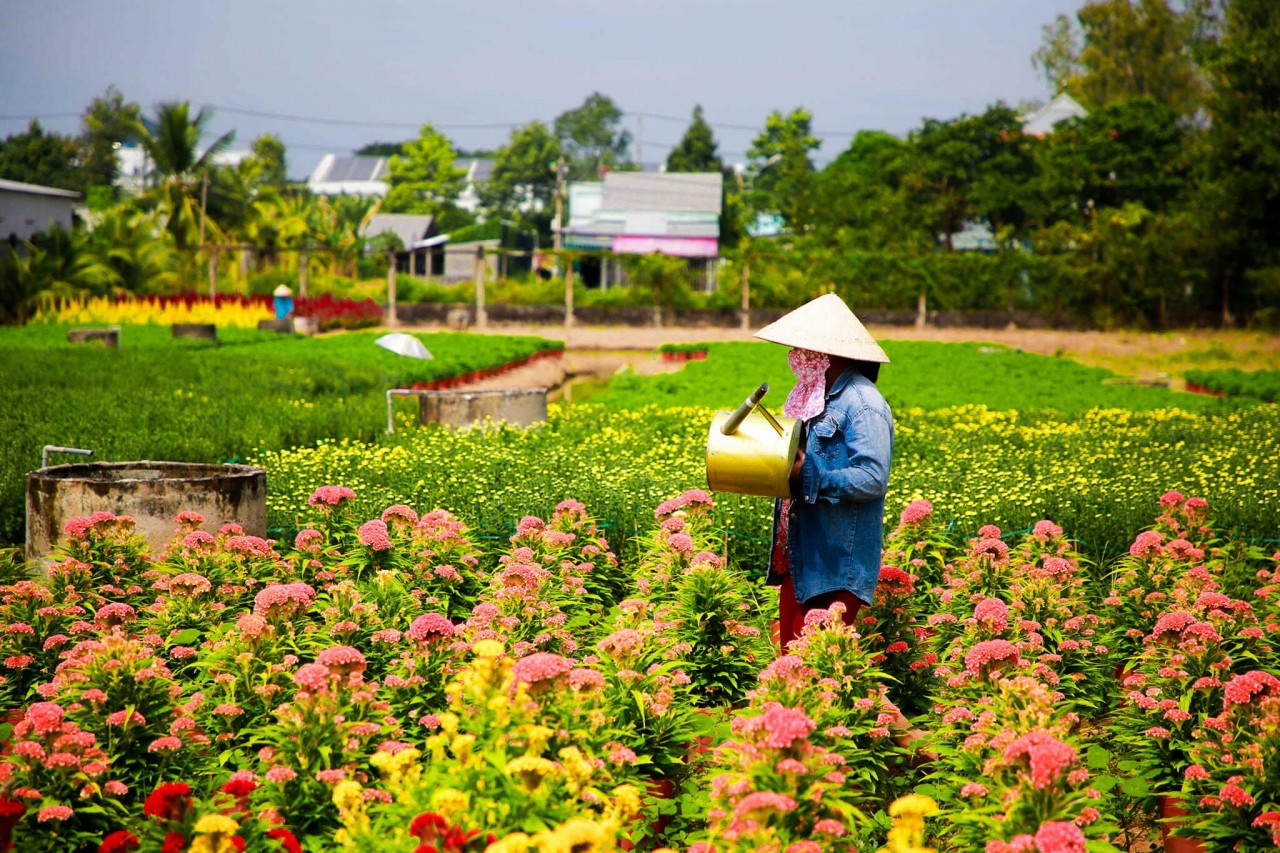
(520, 407)
(152, 492)
(285, 326)
(196, 331)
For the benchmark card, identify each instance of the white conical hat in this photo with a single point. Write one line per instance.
(825, 325)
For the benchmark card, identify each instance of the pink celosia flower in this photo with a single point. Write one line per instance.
(44, 717)
(312, 676)
(973, 789)
(49, 813)
(1236, 796)
(281, 774)
(1046, 530)
(116, 613)
(916, 514)
(992, 614)
(782, 726)
(991, 548)
(1242, 689)
(540, 667)
(1148, 543)
(431, 626)
(764, 800)
(330, 496)
(989, 652)
(342, 660)
(374, 535)
(829, 826)
(331, 777)
(165, 744)
(586, 679)
(1059, 837)
(189, 585)
(126, 717)
(1047, 756)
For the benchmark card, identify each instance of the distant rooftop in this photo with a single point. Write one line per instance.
(36, 189)
(349, 173)
(1060, 109)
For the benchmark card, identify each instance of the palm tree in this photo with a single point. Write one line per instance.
(174, 147)
(59, 265)
(133, 243)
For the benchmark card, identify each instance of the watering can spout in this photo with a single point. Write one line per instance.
(730, 426)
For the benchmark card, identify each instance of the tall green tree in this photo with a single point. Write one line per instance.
(172, 142)
(523, 184)
(108, 122)
(861, 199)
(265, 166)
(591, 137)
(781, 173)
(696, 151)
(1240, 190)
(424, 179)
(1121, 49)
(1131, 151)
(37, 157)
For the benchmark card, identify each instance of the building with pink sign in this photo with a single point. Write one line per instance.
(637, 213)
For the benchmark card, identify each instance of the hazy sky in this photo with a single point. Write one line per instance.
(330, 76)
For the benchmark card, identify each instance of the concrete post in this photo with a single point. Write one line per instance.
(568, 291)
(392, 320)
(482, 318)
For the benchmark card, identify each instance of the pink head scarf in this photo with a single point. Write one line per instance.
(808, 397)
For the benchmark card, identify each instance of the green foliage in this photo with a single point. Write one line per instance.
(696, 150)
(1262, 384)
(522, 184)
(590, 137)
(425, 179)
(108, 122)
(782, 174)
(265, 166)
(1125, 49)
(37, 157)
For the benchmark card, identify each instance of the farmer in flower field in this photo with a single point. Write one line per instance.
(827, 537)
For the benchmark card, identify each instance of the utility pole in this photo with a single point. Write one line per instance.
(482, 317)
(640, 141)
(561, 172)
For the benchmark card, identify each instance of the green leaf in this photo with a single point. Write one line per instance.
(1105, 783)
(1136, 787)
(185, 638)
(1097, 757)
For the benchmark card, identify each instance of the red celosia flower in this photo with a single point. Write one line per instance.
(1242, 689)
(174, 842)
(168, 801)
(428, 826)
(120, 841)
(287, 839)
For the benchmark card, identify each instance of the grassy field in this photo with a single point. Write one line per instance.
(157, 397)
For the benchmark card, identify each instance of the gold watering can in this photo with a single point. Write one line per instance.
(751, 452)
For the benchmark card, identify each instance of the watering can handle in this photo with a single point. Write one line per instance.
(735, 420)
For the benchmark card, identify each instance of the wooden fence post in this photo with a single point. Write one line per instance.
(213, 271)
(302, 273)
(746, 295)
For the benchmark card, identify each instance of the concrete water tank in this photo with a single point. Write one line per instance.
(152, 492)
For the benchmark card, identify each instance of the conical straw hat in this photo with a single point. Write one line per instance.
(825, 325)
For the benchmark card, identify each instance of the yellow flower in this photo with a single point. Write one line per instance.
(347, 794)
(449, 722)
(216, 824)
(516, 842)
(913, 804)
(461, 747)
(576, 835)
(627, 798)
(488, 648)
(531, 770)
(449, 801)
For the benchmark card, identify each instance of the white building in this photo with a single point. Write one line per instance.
(28, 209)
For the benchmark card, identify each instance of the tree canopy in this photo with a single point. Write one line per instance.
(591, 137)
(424, 179)
(696, 151)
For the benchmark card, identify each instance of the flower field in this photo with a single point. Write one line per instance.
(391, 683)
(549, 639)
(224, 310)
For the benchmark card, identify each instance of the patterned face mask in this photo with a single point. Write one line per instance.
(808, 397)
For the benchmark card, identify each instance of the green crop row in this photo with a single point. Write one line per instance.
(1260, 384)
(921, 374)
(157, 397)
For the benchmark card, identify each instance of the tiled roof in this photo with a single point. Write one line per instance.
(409, 227)
(667, 192)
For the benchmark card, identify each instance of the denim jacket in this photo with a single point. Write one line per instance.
(836, 528)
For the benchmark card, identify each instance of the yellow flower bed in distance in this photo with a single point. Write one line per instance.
(231, 312)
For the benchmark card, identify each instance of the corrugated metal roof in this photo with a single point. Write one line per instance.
(36, 189)
(409, 227)
(350, 168)
(667, 192)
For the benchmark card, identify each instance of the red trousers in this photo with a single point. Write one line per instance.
(791, 613)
